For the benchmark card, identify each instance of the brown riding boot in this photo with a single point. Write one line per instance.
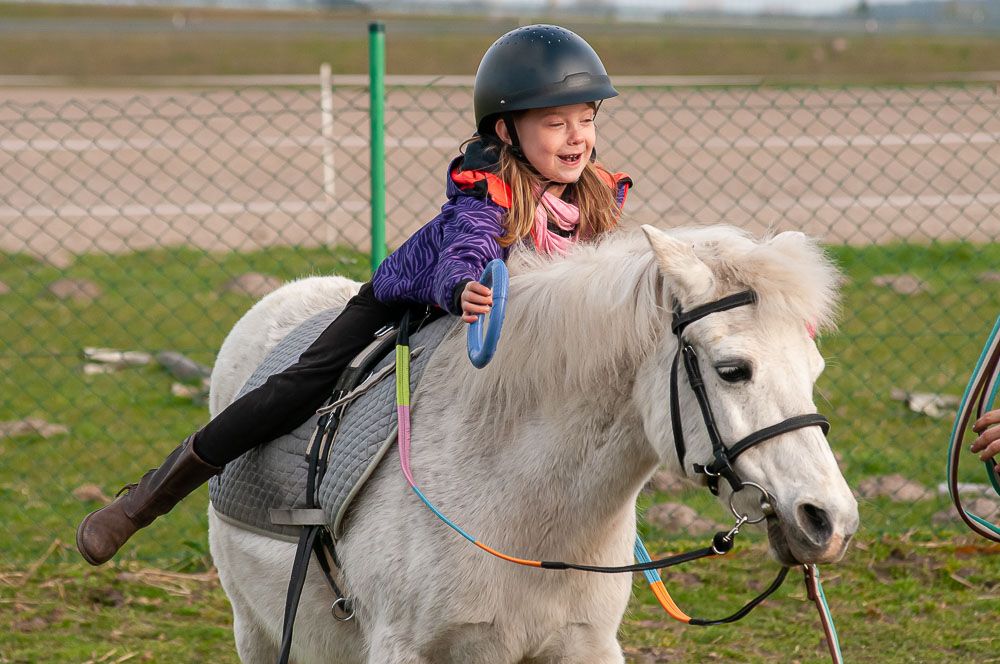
(103, 532)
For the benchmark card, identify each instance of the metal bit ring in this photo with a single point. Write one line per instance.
(766, 504)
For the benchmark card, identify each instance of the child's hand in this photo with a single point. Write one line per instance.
(988, 443)
(476, 299)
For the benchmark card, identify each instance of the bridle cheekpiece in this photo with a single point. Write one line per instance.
(723, 456)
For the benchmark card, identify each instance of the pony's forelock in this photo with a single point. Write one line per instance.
(792, 275)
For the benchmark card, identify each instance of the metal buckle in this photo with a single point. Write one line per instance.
(733, 532)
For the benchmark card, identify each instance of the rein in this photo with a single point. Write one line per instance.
(721, 466)
(722, 542)
(980, 396)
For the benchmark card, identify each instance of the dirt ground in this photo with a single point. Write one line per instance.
(116, 170)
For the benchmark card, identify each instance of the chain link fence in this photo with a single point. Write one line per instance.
(150, 221)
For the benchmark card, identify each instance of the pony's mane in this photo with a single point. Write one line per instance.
(585, 321)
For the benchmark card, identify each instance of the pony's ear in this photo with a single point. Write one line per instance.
(790, 238)
(688, 279)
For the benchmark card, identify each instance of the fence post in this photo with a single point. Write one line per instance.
(329, 174)
(376, 79)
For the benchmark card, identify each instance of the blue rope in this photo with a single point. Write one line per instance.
(642, 556)
(827, 614)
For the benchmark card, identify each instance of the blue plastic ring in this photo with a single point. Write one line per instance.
(483, 346)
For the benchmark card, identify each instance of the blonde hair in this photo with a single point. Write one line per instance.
(591, 194)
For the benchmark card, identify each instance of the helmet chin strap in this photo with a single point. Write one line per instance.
(515, 143)
(515, 148)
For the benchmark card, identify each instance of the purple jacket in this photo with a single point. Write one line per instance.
(453, 248)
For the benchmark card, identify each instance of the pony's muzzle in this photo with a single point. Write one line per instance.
(820, 534)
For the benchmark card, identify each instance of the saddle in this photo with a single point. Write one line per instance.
(265, 490)
(300, 486)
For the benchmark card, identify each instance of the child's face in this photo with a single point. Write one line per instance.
(557, 141)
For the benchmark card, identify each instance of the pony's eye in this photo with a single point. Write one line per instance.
(736, 371)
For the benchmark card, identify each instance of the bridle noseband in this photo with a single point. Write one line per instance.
(724, 457)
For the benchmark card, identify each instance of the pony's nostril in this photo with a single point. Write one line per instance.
(816, 522)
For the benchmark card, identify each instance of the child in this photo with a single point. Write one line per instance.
(528, 176)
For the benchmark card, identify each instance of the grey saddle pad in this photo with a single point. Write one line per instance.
(274, 474)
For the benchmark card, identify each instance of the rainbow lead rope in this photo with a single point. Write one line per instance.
(721, 543)
(815, 591)
(980, 396)
(403, 438)
(656, 585)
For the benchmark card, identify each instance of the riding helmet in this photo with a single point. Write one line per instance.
(537, 66)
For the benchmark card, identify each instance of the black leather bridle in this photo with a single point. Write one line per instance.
(724, 457)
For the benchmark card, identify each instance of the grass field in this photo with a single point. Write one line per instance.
(894, 600)
(906, 582)
(86, 43)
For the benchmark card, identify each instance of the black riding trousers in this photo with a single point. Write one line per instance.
(289, 398)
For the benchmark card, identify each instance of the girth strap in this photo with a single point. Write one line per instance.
(315, 537)
(312, 538)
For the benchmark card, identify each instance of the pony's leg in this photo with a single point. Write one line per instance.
(581, 644)
(253, 572)
(253, 645)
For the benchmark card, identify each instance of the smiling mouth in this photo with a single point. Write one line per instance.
(570, 159)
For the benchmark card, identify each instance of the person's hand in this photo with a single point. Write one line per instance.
(476, 299)
(987, 445)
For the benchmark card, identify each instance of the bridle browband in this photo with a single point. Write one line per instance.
(723, 457)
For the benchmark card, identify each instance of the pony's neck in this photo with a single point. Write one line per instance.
(575, 333)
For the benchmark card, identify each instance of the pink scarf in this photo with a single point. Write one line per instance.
(565, 215)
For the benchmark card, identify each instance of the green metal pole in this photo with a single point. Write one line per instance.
(376, 74)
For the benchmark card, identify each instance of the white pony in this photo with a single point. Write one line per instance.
(542, 453)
